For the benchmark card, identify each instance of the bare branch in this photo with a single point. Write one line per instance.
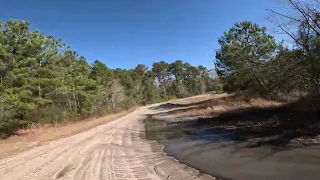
(286, 16)
(313, 19)
(259, 79)
(304, 14)
(292, 36)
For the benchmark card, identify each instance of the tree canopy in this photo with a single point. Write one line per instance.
(42, 80)
(245, 49)
(250, 59)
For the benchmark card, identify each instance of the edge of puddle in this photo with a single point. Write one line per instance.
(180, 162)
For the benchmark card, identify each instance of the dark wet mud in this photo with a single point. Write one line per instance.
(229, 154)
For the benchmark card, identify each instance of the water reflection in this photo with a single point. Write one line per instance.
(231, 153)
(191, 130)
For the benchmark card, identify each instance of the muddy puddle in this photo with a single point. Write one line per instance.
(227, 154)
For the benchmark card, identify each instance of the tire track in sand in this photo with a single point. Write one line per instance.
(118, 150)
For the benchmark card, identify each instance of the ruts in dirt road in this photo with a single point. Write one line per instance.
(117, 150)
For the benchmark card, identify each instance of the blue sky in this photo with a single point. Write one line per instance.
(123, 33)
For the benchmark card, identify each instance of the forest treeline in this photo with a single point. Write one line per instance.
(251, 60)
(44, 81)
(253, 63)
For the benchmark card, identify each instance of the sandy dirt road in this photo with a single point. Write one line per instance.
(116, 150)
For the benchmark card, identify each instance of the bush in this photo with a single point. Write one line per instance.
(9, 124)
(48, 114)
(166, 98)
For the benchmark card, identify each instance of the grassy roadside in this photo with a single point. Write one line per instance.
(37, 136)
(214, 104)
(291, 123)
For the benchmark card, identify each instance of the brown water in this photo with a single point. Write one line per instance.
(230, 155)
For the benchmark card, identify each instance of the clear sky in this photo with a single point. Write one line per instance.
(123, 33)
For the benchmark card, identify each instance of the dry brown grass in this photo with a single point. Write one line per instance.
(294, 121)
(198, 99)
(217, 103)
(28, 138)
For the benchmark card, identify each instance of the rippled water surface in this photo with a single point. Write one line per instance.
(228, 154)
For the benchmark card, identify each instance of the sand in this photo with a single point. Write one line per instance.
(116, 150)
